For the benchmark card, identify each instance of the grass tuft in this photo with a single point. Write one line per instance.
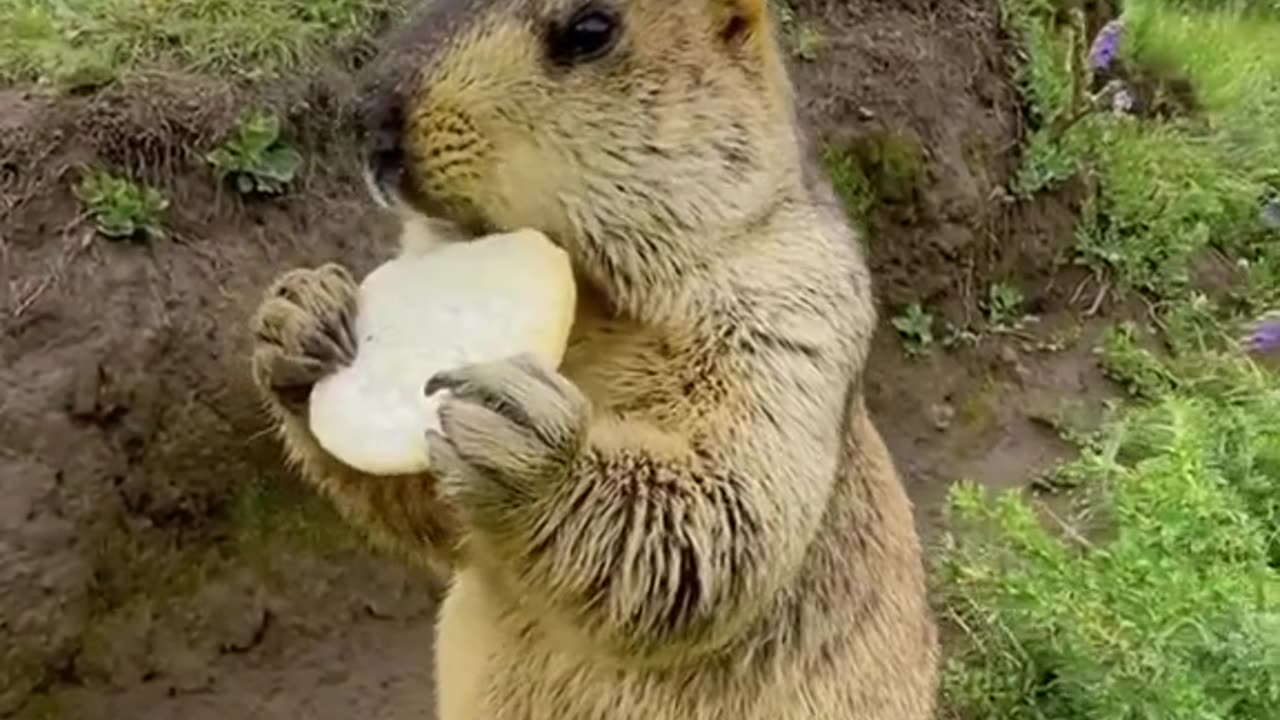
(89, 42)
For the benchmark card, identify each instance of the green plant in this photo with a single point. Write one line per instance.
(1171, 191)
(1051, 76)
(808, 42)
(1125, 361)
(850, 182)
(1158, 596)
(1004, 305)
(255, 156)
(785, 14)
(121, 208)
(1244, 7)
(915, 326)
(805, 40)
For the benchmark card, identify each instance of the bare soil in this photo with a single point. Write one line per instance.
(157, 561)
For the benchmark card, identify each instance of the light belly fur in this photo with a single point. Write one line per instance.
(485, 673)
(468, 639)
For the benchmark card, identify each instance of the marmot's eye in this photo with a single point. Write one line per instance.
(589, 34)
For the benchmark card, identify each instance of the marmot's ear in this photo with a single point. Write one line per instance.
(739, 20)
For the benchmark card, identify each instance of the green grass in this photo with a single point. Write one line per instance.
(77, 42)
(270, 512)
(850, 182)
(1157, 595)
(1258, 7)
(879, 167)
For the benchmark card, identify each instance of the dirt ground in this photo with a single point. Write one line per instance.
(156, 561)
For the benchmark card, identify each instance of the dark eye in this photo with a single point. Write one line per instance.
(590, 34)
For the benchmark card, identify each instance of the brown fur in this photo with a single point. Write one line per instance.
(693, 518)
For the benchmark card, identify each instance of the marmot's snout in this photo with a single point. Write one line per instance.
(388, 85)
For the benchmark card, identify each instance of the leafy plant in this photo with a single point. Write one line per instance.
(121, 208)
(915, 326)
(1004, 305)
(808, 42)
(255, 156)
(785, 14)
(1159, 596)
(1047, 82)
(1056, 71)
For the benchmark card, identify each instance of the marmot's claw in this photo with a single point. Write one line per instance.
(304, 330)
(508, 426)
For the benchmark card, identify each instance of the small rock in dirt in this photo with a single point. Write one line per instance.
(952, 237)
(387, 594)
(47, 534)
(237, 614)
(82, 395)
(941, 415)
(27, 485)
(16, 110)
(144, 416)
(1009, 355)
(188, 673)
(64, 571)
(184, 669)
(334, 676)
(117, 648)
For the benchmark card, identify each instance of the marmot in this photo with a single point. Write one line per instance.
(693, 518)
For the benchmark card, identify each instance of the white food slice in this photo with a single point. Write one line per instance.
(460, 303)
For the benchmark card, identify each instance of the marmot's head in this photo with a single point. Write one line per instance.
(621, 128)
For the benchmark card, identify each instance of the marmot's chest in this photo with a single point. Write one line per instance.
(627, 369)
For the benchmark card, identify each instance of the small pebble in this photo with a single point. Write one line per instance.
(942, 414)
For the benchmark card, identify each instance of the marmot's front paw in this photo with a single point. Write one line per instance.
(508, 428)
(303, 330)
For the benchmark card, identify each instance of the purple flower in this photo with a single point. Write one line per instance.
(1106, 46)
(1265, 335)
